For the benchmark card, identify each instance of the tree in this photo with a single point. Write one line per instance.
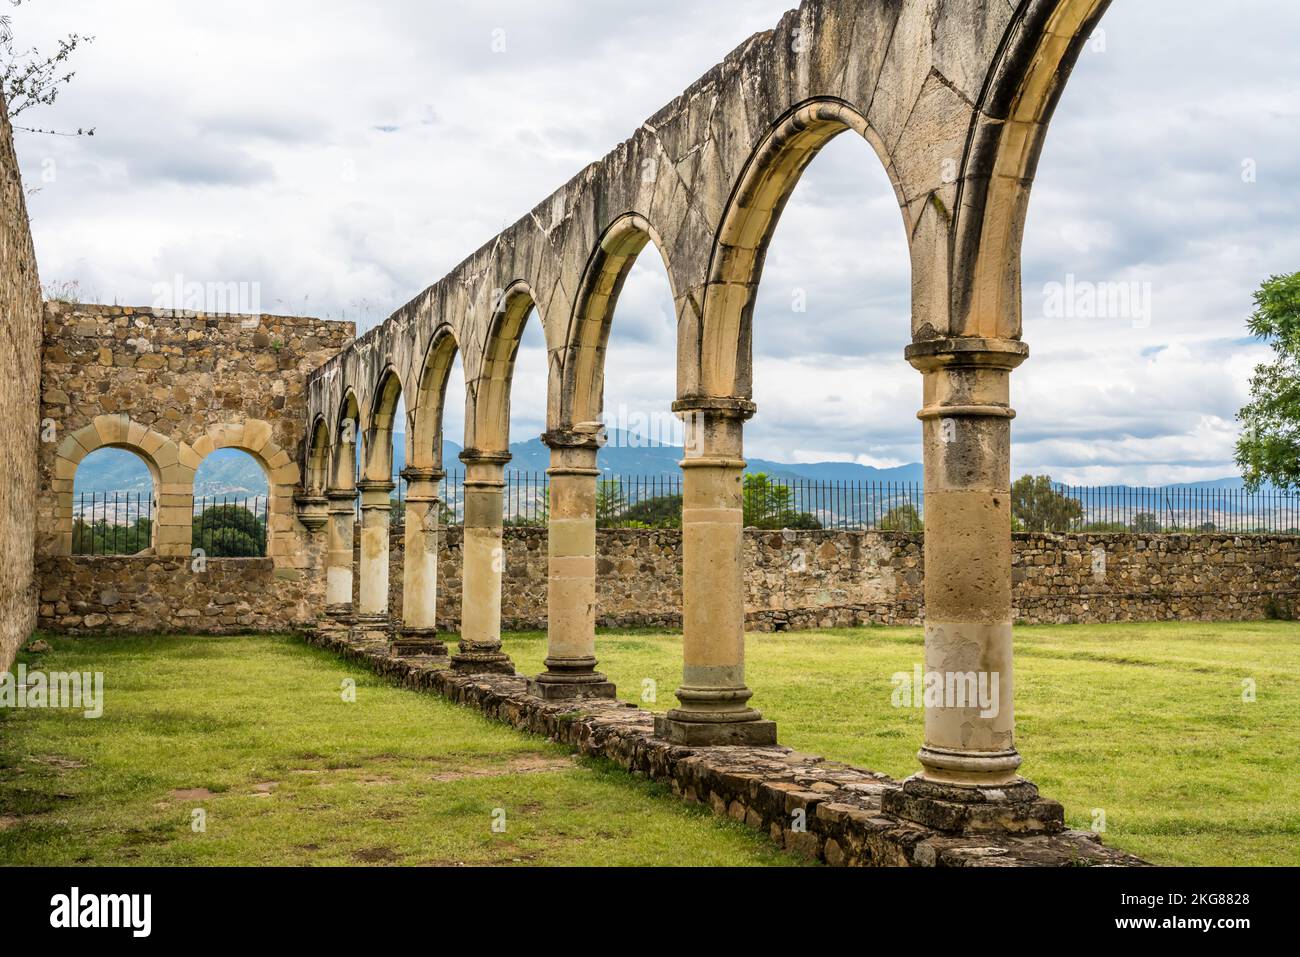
(901, 518)
(1147, 523)
(662, 511)
(230, 531)
(1036, 506)
(769, 505)
(1269, 447)
(102, 537)
(31, 78)
(611, 504)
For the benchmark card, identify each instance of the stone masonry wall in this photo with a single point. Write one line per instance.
(824, 579)
(20, 360)
(795, 580)
(174, 387)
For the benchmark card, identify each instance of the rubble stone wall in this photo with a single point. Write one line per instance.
(20, 362)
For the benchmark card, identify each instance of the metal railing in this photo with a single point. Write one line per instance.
(231, 526)
(112, 523)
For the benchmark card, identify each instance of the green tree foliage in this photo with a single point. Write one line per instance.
(611, 505)
(230, 531)
(901, 518)
(768, 504)
(1269, 447)
(1147, 523)
(102, 538)
(1036, 506)
(662, 511)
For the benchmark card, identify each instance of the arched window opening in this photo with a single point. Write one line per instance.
(640, 484)
(231, 506)
(114, 504)
(835, 442)
(453, 443)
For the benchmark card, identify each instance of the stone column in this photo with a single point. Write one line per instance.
(338, 559)
(968, 778)
(571, 579)
(483, 560)
(419, 631)
(712, 699)
(376, 514)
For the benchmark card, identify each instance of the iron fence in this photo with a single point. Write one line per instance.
(112, 523)
(231, 526)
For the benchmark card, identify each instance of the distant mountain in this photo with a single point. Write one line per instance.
(230, 472)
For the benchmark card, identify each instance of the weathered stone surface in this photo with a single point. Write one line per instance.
(20, 362)
(814, 808)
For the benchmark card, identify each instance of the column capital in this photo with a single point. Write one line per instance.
(376, 494)
(411, 475)
(584, 435)
(966, 352)
(342, 500)
(730, 407)
(482, 457)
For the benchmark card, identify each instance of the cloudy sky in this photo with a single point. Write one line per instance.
(343, 156)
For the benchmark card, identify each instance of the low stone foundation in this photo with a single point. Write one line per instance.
(817, 809)
(146, 594)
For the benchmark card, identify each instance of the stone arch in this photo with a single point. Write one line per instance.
(282, 477)
(1025, 83)
(583, 384)
(721, 357)
(170, 465)
(347, 425)
(424, 445)
(487, 420)
(377, 449)
(317, 464)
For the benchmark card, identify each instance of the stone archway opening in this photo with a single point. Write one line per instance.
(114, 503)
(232, 505)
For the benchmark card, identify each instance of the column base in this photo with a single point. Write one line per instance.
(747, 728)
(562, 687)
(489, 659)
(1014, 808)
(375, 628)
(418, 642)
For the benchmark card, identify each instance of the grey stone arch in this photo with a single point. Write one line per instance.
(380, 417)
(427, 403)
(586, 341)
(316, 457)
(489, 391)
(719, 361)
(346, 434)
(1024, 84)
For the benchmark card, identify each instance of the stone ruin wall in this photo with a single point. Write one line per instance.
(20, 362)
(177, 385)
(795, 580)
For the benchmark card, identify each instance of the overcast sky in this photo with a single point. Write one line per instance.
(343, 156)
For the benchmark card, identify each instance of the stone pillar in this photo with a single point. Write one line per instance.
(712, 700)
(419, 632)
(968, 778)
(338, 559)
(376, 514)
(483, 560)
(571, 579)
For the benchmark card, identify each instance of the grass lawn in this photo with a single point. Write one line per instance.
(1144, 722)
(254, 731)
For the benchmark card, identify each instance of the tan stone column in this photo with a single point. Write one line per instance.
(419, 631)
(483, 559)
(968, 775)
(712, 698)
(571, 582)
(338, 560)
(376, 515)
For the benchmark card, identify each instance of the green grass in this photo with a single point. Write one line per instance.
(1145, 722)
(255, 732)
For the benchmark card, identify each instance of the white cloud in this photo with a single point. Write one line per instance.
(344, 157)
